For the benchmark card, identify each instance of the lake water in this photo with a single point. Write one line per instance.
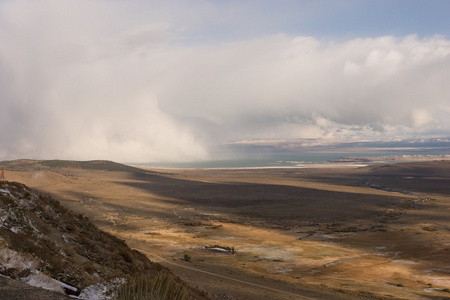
(284, 160)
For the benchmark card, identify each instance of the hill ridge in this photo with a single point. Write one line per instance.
(103, 165)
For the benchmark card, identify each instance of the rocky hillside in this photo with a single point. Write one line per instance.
(43, 244)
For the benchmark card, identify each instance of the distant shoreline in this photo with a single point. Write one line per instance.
(343, 162)
(306, 166)
(390, 158)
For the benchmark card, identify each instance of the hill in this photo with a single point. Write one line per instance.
(44, 244)
(103, 165)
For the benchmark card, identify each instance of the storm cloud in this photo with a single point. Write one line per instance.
(136, 82)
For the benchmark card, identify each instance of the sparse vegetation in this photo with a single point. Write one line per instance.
(429, 228)
(196, 223)
(396, 284)
(164, 286)
(62, 241)
(264, 212)
(153, 233)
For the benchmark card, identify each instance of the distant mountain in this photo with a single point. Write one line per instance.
(329, 145)
(44, 244)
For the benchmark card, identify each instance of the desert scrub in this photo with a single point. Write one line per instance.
(163, 286)
(429, 228)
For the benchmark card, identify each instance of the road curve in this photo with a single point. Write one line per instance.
(226, 277)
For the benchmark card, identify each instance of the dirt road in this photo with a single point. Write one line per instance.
(237, 285)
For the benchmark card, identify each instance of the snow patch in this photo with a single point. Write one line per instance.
(5, 191)
(10, 259)
(41, 280)
(103, 291)
(32, 226)
(65, 239)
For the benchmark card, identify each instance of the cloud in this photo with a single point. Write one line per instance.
(282, 79)
(97, 79)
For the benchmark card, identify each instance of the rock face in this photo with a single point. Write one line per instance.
(44, 244)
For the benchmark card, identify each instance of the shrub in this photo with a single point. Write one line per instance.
(164, 286)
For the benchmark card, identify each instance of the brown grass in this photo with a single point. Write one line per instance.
(164, 286)
(320, 229)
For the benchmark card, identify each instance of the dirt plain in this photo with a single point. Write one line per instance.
(376, 232)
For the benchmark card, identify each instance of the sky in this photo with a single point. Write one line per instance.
(144, 81)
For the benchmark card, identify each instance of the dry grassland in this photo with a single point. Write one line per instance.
(372, 232)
